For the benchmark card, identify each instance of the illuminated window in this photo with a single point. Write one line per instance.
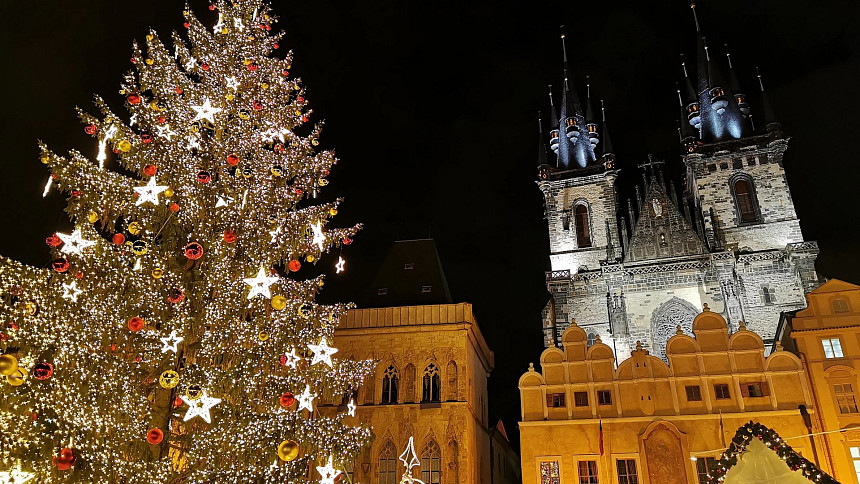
(694, 393)
(768, 295)
(627, 471)
(604, 397)
(580, 399)
(408, 266)
(753, 390)
(382, 291)
(431, 463)
(388, 464)
(855, 456)
(832, 348)
(430, 390)
(549, 473)
(841, 306)
(426, 289)
(587, 472)
(555, 400)
(704, 465)
(721, 391)
(745, 200)
(845, 398)
(583, 228)
(390, 382)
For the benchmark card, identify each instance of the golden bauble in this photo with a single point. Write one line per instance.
(92, 217)
(229, 96)
(149, 37)
(134, 228)
(288, 450)
(264, 85)
(298, 112)
(168, 379)
(157, 272)
(31, 308)
(168, 193)
(247, 62)
(315, 142)
(153, 105)
(332, 211)
(323, 182)
(225, 30)
(310, 258)
(279, 302)
(194, 392)
(263, 336)
(139, 247)
(149, 61)
(277, 171)
(8, 364)
(305, 310)
(124, 146)
(45, 159)
(17, 377)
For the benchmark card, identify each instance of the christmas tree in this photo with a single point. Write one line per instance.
(171, 339)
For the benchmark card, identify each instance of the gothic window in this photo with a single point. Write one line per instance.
(430, 390)
(665, 321)
(431, 463)
(768, 295)
(583, 227)
(452, 380)
(390, 382)
(388, 464)
(409, 383)
(745, 200)
(591, 337)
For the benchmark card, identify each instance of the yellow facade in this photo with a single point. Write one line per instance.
(827, 336)
(661, 422)
(417, 344)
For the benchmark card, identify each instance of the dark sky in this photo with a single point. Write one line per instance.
(431, 108)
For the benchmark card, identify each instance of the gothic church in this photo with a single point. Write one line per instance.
(641, 269)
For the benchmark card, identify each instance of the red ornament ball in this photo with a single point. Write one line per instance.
(282, 359)
(211, 6)
(176, 296)
(135, 323)
(42, 371)
(60, 265)
(65, 460)
(155, 436)
(305, 119)
(204, 176)
(286, 399)
(276, 46)
(258, 105)
(193, 250)
(150, 170)
(294, 265)
(232, 159)
(79, 274)
(146, 138)
(285, 73)
(174, 207)
(177, 401)
(229, 236)
(298, 191)
(205, 66)
(90, 129)
(118, 239)
(300, 99)
(186, 25)
(162, 119)
(133, 98)
(178, 90)
(347, 241)
(76, 193)
(4, 337)
(252, 66)
(53, 241)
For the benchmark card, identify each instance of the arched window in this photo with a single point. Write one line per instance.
(431, 463)
(390, 382)
(430, 391)
(583, 228)
(409, 384)
(745, 200)
(591, 337)
(388, 464)
(452, 381)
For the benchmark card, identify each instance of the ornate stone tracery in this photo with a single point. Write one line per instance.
(665, 321)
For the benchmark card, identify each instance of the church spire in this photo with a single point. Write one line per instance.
(608, 152)
(692, 112)
(769, 117)
(553, 124)
(740, 97)
(688, 139)
(542, 160)
(590, 123)
(702, 54)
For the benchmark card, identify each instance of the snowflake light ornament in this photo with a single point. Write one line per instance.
(327, 472)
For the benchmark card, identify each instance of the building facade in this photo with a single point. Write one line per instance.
(727, 235)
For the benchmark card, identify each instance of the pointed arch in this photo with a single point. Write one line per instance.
(453, 387)
(665, 321)
(746, 202)
(388, 463)
(430, 384)
(390, 385)
(431, 463)
(582, 222)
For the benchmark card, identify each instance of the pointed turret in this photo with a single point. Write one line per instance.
(716, 83)
(770, 121)
(687, 138)
(590, 123)
(692, 109)
(553, 124)
(571, 115)
(608, 152)
(702, 54)
(542, 159)
(740, 97)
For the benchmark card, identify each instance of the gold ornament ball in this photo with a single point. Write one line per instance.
(149, 37)
(323, 182)
(31, 308)
(45, 159)
(168, 379)
(229, 96)
(264, 85)
(310, 258)
(17, 377)
(134, 228)
(263, 336)
(157, 272)
(225, 30)
(194, 392)
(168, 193)
(153, 105)
(332, 211)
(247, 62)
(279, 302)
(92, 217)
(124, 146)
(149, 61)
(305, 310)
(277, 171)
(8, 364)
(315, 142)
(288, 450)
(139, 247)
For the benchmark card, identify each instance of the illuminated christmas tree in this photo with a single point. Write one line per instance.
(169, 336)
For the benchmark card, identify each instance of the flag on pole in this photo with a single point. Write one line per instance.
(722, 430)
(600, 436)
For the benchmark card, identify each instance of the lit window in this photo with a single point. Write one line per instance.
(752, 390)
(388, 464)
(841, 306)
(431, 463)
(555, 400)
(694, 393)
(408, 266)
(390, 382)
(704, 465)
(604, 397)
(745, 201)
(549, 473)
(382, 291)
(627, 471)
(855, 456)
(426, 289)
(721, 391)
(845, 398)
(580, 399)
(832, 348)
(583, 228)
(587, 472)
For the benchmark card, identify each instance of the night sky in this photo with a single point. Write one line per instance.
(431, 107)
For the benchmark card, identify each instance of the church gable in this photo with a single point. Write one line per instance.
(661, 231)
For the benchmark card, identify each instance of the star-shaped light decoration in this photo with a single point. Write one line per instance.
(232, 83)
(193, 143)
(260, 284)
(171, 342)
(339, 267)
(191, 64)
(223, 202)
(71, 292)
(200, 407)
(149, 192)
(291, 359)
(220, 25)
(410, 460)
(327, 472)
(322, 352)
(74, 243)
(132, 120)
(306, 399)
(350, 408)
(165, 132)
(15, 476)
(275, 232)
(237, 22)
(319, 238)
(206, 111)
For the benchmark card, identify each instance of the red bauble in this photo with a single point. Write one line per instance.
(294, 265)
(282, 359)
(133, 98)
(258, 105)
(174, 207)
(90, 129)
(252, 66)
(233, 159)
(205, 66)
(347, 241)
(76, 193)
(177, 401)
(176, 296)
(204, 176)
(211, 6)
(42, 371)
(286, 399)
(146, 138)
(150, 170)
(298, 191)
(229, 236)
(178, 90)
(285, 73)
(193, 250)
(300, 99)
(65, 460)
(60, 265)
(4, 337)
(276, 46)
(79, 274)
(162, 119)
(305, 119)
(53, 241)
(186, 25)
(135, 323)
(155, 436)
(133, 60)
(118, 239)
(113, 347)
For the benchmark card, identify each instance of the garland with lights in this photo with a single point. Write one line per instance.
(175, 335)
(774, 442)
